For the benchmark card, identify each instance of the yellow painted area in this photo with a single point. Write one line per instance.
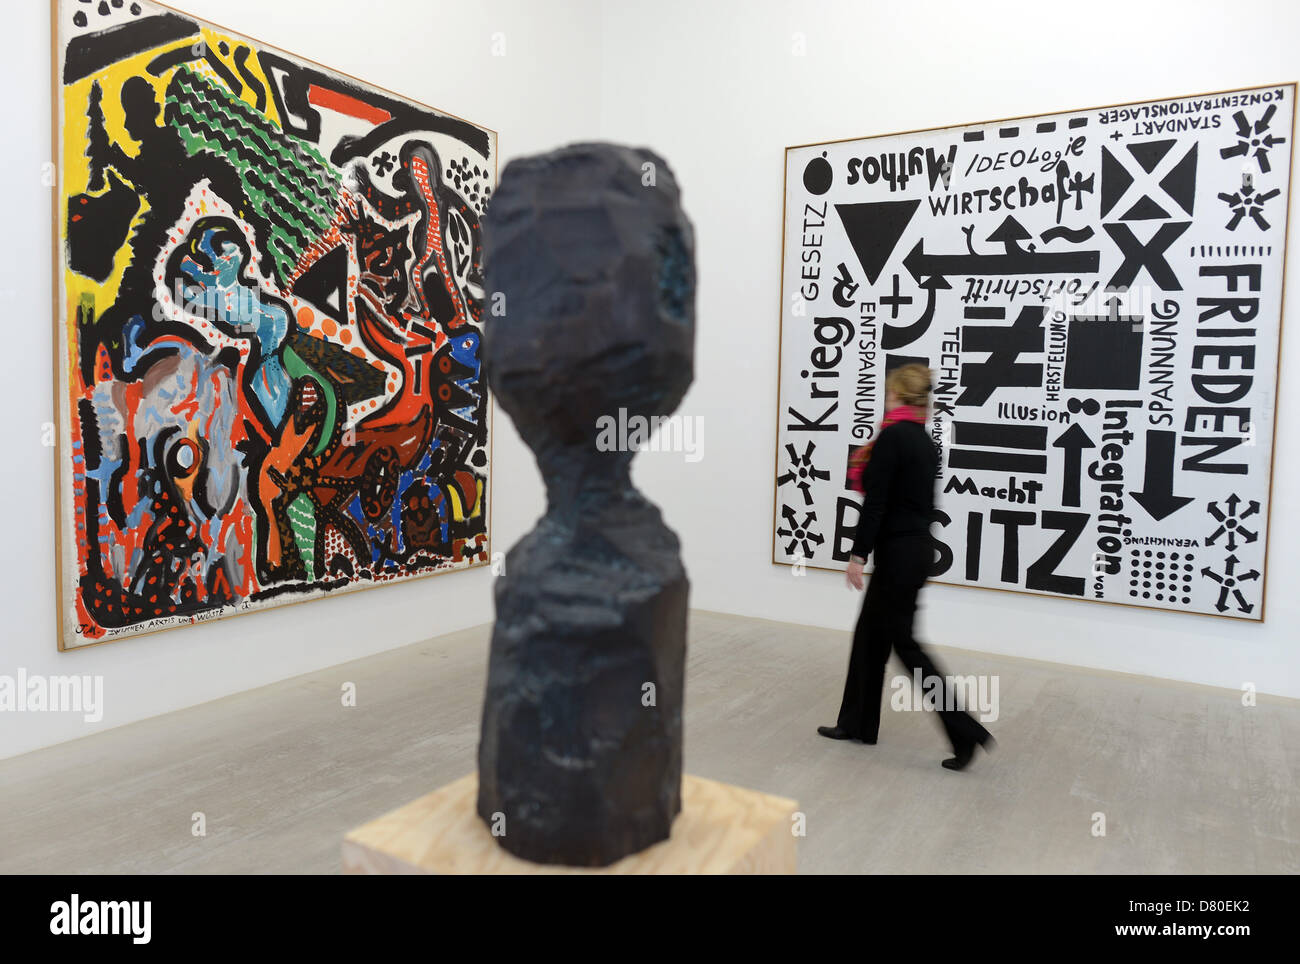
(458, 507)
(74, 172)
(74, 166)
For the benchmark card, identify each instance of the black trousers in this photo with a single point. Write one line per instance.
(885, 622)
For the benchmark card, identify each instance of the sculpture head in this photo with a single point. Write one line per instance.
(595, 259)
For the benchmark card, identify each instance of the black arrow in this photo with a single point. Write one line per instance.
(1011, 232)
(1222, 604)
(921, 265)
(1074, 440)
(1157, 495)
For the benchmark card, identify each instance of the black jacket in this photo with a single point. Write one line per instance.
(899, 481)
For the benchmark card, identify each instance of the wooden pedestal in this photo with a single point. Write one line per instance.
(721, 830)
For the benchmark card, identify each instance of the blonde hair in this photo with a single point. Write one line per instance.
(911, 383)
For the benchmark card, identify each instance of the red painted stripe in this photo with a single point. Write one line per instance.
(344, 104)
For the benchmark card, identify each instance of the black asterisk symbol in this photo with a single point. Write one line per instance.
(1251, 138)
(1248, 203)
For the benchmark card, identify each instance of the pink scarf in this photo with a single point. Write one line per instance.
(858, 460)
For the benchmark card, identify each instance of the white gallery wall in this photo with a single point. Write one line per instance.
(539, 92)
(719, 89)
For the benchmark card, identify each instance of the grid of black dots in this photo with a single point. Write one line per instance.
(1156, 575)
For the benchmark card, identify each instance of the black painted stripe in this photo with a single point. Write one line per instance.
(92, 52)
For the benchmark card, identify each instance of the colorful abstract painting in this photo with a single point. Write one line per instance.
(268, 314)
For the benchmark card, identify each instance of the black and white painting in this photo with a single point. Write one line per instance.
(1099, 295)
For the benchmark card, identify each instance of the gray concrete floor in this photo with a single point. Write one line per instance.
(1188, 779)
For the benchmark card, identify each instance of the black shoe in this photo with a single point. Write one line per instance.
(966, 753)
(834, 733)
(839, 733)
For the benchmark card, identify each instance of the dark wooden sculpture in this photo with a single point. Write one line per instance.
(580, 756)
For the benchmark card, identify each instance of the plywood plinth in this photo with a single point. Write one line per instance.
(722, 829)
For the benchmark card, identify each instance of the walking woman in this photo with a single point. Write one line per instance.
(896, 474)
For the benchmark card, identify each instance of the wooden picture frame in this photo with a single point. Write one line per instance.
(1000, 133)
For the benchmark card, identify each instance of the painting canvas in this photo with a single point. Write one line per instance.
(1099, 296)
(268, 308)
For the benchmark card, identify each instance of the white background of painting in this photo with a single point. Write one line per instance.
(715, 89)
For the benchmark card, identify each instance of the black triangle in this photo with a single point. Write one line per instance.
(1145, 210)
(325, 283)
(874, 228)
(1151, 153)
(1115, 180)
(1180, 183)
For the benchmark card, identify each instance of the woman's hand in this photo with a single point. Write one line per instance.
(854, 575)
